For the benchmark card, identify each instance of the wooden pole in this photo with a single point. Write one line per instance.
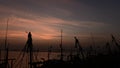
(61, 47)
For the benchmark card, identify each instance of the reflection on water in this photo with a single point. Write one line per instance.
(23, 62)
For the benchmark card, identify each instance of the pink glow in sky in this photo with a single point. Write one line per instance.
(46, 18)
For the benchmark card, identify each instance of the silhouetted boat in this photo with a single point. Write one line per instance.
(4, 63)
(79, 60)
(92, 61)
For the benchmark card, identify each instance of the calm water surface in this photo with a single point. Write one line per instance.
(22, 59)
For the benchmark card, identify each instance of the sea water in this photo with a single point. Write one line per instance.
(21, 59)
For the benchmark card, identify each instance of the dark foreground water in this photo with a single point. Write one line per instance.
(22, 58)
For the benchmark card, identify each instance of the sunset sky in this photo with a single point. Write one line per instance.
(45, 18)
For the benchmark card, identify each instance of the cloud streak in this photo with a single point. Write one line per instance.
(46, 27)
(45, 19)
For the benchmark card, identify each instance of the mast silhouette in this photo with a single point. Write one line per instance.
(6, 35)
(93, 41)
(30, 48)
(61, 58)
(6, 49)
(49, 52)
(78, 46)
